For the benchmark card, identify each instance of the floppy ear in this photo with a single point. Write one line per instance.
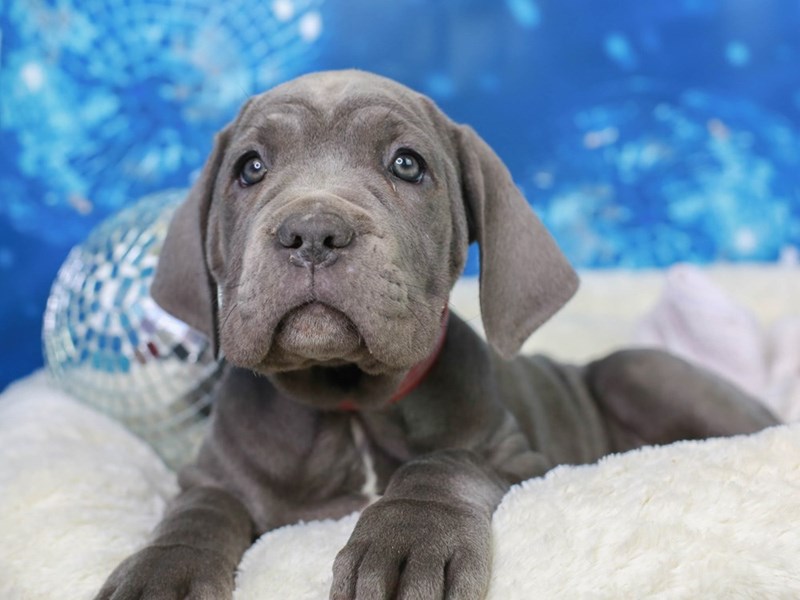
(183, 285)
(524, 277)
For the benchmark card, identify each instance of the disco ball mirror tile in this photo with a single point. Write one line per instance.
(107, 342)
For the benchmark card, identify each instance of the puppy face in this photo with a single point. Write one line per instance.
(328, 226)
(336, 227)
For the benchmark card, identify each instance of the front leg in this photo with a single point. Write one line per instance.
(266, 462)
(184, 561)
(427, 537)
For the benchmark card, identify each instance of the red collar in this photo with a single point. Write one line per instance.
(417, 373)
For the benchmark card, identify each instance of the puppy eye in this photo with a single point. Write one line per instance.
(252, 171)
(408, 166)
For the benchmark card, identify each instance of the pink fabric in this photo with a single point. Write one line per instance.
(784, 369)
(697, 320)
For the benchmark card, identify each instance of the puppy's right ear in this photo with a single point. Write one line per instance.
(183, 285)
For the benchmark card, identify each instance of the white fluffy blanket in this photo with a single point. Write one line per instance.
(713, 519)
(717, 519)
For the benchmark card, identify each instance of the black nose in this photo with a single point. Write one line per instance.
(314, 238)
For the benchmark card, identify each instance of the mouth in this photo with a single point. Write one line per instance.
(318, 332)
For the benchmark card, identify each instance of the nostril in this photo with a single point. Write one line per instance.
(289, 236)
(339, 239)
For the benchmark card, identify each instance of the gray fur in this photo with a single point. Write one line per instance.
(303, 329)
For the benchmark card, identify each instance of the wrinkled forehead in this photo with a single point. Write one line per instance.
(346, 105)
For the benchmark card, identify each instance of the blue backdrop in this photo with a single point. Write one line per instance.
(644, 133)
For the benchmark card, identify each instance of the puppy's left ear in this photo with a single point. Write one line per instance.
(524, 276)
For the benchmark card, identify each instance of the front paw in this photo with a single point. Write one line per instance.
(170, 573)
(415, 549)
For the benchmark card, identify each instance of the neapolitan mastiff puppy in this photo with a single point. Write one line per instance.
(317, 252)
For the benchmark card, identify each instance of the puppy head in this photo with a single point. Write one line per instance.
(330, 222)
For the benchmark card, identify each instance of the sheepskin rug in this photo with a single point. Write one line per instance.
(712, 519)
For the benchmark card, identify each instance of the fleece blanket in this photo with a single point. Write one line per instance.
(712, 519)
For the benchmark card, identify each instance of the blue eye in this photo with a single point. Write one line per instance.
(252, 171)
(407, 166)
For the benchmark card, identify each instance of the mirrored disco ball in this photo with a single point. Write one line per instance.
(108, 344)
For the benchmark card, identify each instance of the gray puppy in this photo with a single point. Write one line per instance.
(317, 252)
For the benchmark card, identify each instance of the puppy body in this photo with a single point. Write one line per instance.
(317, 252)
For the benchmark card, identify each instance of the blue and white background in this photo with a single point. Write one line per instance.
(644, 133)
